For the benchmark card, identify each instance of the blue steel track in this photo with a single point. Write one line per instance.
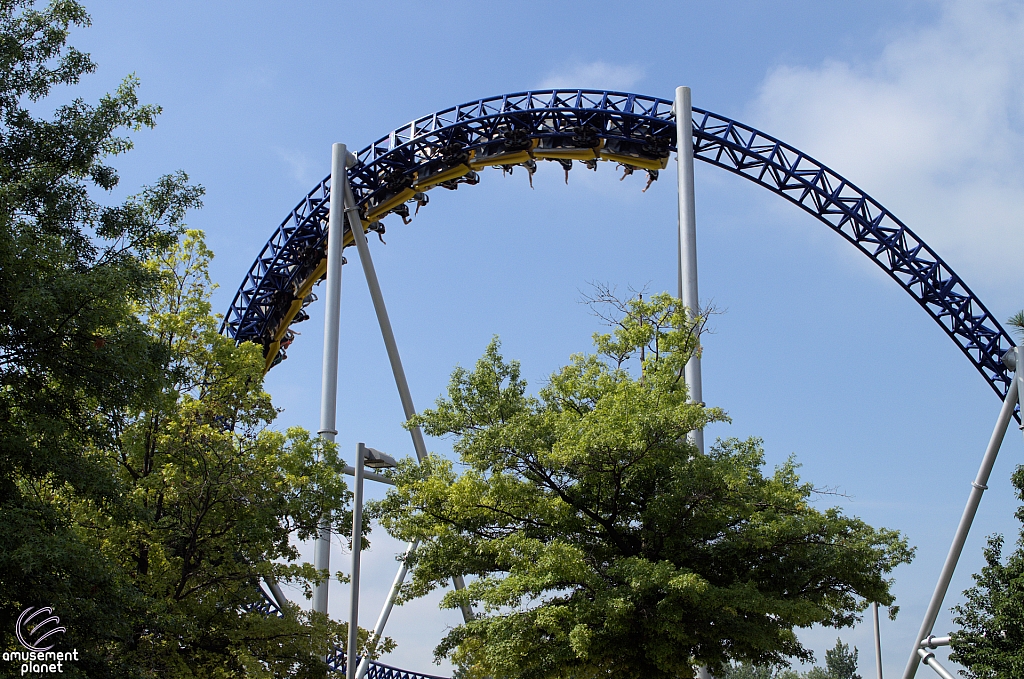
(583, 126)
(336, 658)
(447, 149)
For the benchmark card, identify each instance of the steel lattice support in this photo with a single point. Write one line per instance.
(632, 129)
(336, 658)
(448, 147)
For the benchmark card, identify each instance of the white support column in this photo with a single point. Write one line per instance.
(688, 239)
(928, 658)
(467, 610)
(329, 380)
(978, 488)
(688, 254)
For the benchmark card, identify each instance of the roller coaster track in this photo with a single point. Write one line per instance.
(337, 657)
(447, 149)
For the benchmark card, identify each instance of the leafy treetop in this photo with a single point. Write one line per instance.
(74, 358)
(598, 541)
(216, 500)
(142, 494)
(840, 663)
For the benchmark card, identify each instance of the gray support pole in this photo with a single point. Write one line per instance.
(688, 254)
(878, 641)
(978, 488)
(356, 225)
(275, 591)
(369, 476)
(688, 240)
(329, 381)
(1017, 354)
(385, 613)
(322, 562)
(357, 544)
(467, 610)
(928, 658)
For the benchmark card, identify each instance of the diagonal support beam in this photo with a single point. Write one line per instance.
(388, 334)
(356, 224)
(978, 488)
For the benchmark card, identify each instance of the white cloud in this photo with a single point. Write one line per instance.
(594, 75)
(933, 128)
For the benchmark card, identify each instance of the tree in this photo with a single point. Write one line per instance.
(215, 497)
(746, 670)
(73, 357)
(990, 643)
(142, 493)
(1017, 322)
(840, 663)
(598, 541)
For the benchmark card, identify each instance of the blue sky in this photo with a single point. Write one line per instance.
(817, 351)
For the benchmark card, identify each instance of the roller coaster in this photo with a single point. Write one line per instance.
(452, 148)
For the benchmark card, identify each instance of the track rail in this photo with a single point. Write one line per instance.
(448, 147)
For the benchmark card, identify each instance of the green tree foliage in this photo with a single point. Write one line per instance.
(746, 670)
(73, 357)
(142, 494)
(1017, 322)
(840, 663)
(990, 643)
(598, 541)
(215, 500)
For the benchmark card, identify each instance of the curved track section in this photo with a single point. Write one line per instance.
(448, 148)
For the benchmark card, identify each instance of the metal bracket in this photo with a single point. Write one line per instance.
(934, 642)
(928, 658)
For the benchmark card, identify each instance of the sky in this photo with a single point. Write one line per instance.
(816, 350)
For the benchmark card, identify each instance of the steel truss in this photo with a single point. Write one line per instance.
(336, 658)
(445, 149)
(566, 126)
